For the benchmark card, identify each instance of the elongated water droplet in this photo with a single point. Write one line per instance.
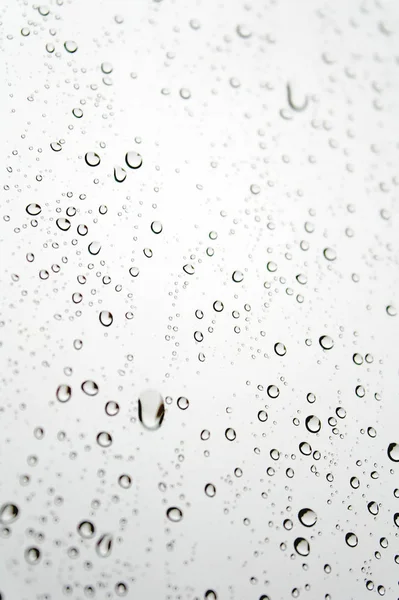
(63, 393)
(151, 409)
(393, 451)
(302, 546)
(104, 545)
(120, 174)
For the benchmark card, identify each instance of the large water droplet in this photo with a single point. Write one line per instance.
(63, 224)
(86, 529)
(104, 439)
(133, 160)
(92, 159)
(302, 546)
(151, 409)
(8, 513)
(230, 434)
(393, 452)
(351, 539)
(106, 318)
(104, 545)
(326, 342)
(63, 393)
(174, 514)
(90, 387)
(307, 517)
(32, 555)
(313, 424)
(329, 254)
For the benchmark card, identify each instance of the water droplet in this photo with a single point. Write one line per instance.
(396, 519)
(125, 481)
(351, 539)
(106, 318)
(305, 448)
(237, 276)
(121, 589)
(307, 517)
(63, 224)
(391, 310)
(262, 416)
(302, 546)
(90, 387)
(156, 227)
(134, 271)
(393, 452)
(63, 393)
(112, 408)
(185, 93)
(33, 209)
(218, 306)
(174, 514)
(94, 248)
(355, 483)
(329, 254)
(183, 403)
(189, 269)
(8, 514)
(106, 68)
(92, 159)
(56, 146)
(205, 434)
(273, 391)
(313, 424)
(133, 160)
(120, 174)
(373, 508)
(357, 359)
(86, 529)
(151, 409)
(243, 31)
(280, 349)
(77, 112)
(32, 555)
(230, 434)
(104, 545)
(104, 439)
(70, 46)
(326, 342)
(210, 490)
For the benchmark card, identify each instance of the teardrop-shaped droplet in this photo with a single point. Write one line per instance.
(307, 517)
(106, 318)
(120, 174)
(63, 393)
(92, 159)
(86, 529)
(133, 160)
(90, 387)
(151, 409)
(94, 248)
(302, 546)
(8, 513)
(104, 545)
(174, 514)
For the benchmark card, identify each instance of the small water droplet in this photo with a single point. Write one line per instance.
(94, 248)
(302, 546)
(280, 349)
(8, 514)
(33, 209)
(313, 424)
(156, 227)
(70, 46)
(230, 434)
(210, 490)
(32, 555)
(237, 276)
(125, 481)
(329, 254)
(63, 224)
(112, 408)
(326, 342)
(120, 174)
(77, 112)
(351, 539)
(189, 269)
(183, 403)
(391, 310)
(218, 306)
(86, 529)
(307, 517)
(104, 439)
